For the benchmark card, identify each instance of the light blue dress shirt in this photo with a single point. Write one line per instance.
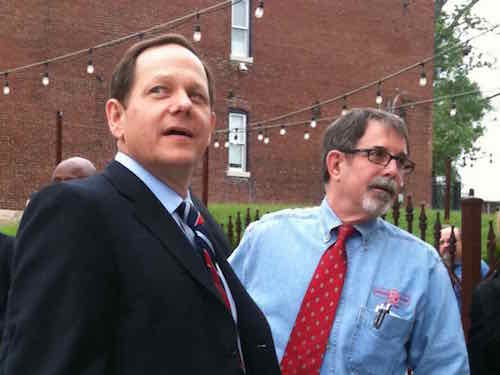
(277, 258)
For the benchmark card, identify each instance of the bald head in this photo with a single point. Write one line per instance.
(75, 167)
(444, 244)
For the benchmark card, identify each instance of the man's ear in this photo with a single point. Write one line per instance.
(115, 113)
(334, 163)
(212, 126)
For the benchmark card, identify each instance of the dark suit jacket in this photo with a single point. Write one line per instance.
(6, 249)
(106, 283)
(484, 333)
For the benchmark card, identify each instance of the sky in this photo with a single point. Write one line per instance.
(484, 177)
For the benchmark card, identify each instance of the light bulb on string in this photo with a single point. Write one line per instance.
(379, 98)
(344, 107)
(216, 143)
(90, 65)
(226, 143)
(260, 136)
(315, 113)
(6, 88)
(306, 135)
(266, 137)
(197, 29)
(45, 79)
(423, 78)
(282, 130)
(259, 11)
(313, 123)
(453, 109)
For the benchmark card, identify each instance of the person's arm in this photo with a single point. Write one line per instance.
(60, 312)
(437, 345)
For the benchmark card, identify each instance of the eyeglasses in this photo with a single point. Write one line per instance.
(379, 155)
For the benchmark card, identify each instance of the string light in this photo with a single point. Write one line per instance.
(90, 65)
(260, 136)
(259, 12)
(266, 138)
(45, 79)
(306, 135)
(282, 130)
(423, 78)
(226, 143)
(344, 107)
(197, 29)
(453, 110)
(6, 88)
(379, 98)
(216, 143)
(315, 113)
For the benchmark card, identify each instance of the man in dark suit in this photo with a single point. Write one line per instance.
(6, 249)
(484, 333)
(108, 276)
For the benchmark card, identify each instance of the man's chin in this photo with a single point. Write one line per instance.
(377, 207)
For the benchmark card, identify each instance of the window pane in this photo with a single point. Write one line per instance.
(235, 156)
(239, 44)
(235, 121)
(240, 15)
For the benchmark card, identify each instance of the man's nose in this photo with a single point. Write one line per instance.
(393, 170)
(181, 102)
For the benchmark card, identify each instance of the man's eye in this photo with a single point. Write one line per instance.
(197, 96)
(379, 153)
(158, 89)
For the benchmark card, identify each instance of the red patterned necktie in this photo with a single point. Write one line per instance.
(307, 343)
(190, 215)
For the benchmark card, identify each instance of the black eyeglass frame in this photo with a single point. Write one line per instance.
(403, 163)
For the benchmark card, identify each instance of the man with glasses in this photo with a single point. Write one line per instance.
(343, 290)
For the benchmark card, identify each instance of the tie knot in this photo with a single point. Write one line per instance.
(345, 231)
(189, 214)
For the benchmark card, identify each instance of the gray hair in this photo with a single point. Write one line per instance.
(346, 131)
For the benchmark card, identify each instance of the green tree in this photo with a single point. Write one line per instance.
(454, 136)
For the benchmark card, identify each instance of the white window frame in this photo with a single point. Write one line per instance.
(245, 58)
(237, 137)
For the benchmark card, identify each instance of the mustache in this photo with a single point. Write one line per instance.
(384, 183)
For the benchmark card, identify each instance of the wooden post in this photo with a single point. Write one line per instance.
(409, 214)
(395, 212)
(471, 254)
(447, 194)
(59, 116)
(204, 191)
(491, 245)
(423, 222)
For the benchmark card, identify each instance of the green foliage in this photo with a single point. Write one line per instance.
(10, 229)
(455, 136)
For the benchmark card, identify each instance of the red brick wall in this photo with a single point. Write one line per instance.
(304, 51)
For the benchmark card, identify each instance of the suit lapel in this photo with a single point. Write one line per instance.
(150, 212)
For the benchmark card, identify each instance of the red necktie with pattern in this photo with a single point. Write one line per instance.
(307, 343)
(190, 215)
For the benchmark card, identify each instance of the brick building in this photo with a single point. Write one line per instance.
(295, 55)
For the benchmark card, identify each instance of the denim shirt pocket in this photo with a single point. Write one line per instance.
(375, 351)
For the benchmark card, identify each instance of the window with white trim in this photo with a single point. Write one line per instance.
(240, 31)
(237, 158)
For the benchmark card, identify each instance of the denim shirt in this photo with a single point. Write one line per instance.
(279, 254)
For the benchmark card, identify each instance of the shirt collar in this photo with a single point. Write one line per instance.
(167, 197)
(329, 221)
